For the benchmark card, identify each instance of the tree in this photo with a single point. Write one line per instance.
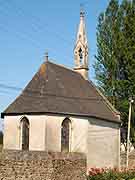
(105, 66)
(115, 58)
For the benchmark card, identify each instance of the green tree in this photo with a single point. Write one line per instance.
(115, 58)
(105, 66)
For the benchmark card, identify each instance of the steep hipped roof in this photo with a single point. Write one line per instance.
(57, 89)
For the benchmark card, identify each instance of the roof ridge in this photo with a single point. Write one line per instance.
(61, 65)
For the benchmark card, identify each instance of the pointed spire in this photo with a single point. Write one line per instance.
(81, 48)
(81, 35)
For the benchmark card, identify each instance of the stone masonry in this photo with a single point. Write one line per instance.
(20, 165)
(131, 159)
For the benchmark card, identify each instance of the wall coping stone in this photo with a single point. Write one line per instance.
(40, 155)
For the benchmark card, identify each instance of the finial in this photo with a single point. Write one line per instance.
(46, 56)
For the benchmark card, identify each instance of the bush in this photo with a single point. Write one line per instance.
(111, 174)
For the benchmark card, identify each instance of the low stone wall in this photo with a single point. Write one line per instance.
(17, 165)
(123, 159)
(131, 159)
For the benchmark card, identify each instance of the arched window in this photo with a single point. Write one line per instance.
(25, 133)
(65, 135)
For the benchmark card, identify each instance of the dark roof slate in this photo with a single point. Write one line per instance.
(57, 89)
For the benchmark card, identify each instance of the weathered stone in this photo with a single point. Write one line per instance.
(18, 165)
(131, 159)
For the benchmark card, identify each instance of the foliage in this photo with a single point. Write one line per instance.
(1, 137)
(110, 174)
(115, 58)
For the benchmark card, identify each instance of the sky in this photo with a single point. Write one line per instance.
(30, 28)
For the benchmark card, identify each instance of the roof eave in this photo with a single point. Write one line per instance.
(117, 120)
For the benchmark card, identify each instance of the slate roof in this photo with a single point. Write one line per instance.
(56, 89)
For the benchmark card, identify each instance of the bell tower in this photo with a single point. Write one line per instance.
(81, 49)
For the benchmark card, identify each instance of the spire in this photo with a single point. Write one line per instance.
(81, 48)
(81, 35)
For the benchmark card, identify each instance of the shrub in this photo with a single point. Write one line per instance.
(110, 174)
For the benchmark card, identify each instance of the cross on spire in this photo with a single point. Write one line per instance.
(82, 13)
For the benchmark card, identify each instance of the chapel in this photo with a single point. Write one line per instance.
(61, 110)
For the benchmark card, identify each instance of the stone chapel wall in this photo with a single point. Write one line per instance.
(12, 132)
(103, 144)
(45, 133)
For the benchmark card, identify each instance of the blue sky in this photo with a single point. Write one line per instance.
(30, 28)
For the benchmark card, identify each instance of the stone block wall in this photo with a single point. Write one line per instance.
(41, 166)
(103, 144)
(123, 159)
(131, 159)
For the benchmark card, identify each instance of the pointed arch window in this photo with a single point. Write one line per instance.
(65, 135)
(25, 133)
